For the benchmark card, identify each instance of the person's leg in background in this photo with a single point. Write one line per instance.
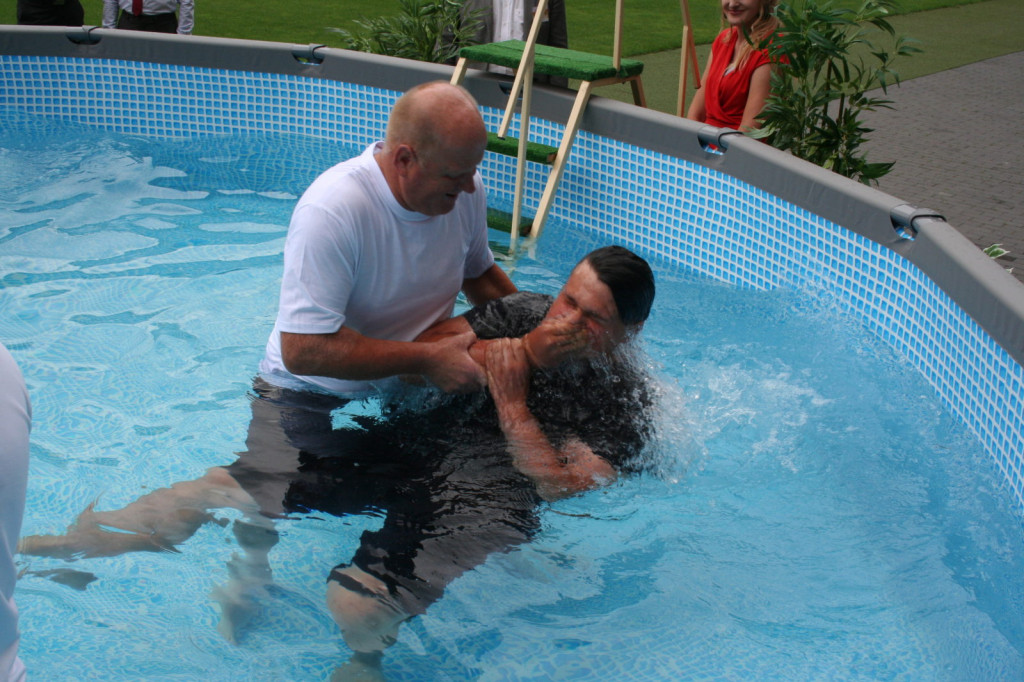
(15, 424)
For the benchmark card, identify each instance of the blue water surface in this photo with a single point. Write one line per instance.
(814, 512)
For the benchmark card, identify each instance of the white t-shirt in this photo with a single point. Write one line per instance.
(355, 257)
(15, 423)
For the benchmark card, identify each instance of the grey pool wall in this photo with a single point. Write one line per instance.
(751, 216)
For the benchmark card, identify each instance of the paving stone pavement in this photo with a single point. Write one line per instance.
(957, 138)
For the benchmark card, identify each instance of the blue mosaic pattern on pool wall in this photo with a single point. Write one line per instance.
(667, 208)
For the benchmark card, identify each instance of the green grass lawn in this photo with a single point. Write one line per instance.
(649, 25)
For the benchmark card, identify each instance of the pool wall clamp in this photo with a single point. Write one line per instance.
(307, 54)
(905, 216)
(714, 138)
(83, 35)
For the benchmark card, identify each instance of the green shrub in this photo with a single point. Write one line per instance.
(830, 58)
(425, 30)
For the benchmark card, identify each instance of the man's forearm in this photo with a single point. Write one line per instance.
(349, 355)
(346, 354)
(556, 473)
(494, 283)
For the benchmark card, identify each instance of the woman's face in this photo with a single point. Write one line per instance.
(741, 13)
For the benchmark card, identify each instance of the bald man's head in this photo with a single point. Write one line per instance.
(435, 140)
(435, 116)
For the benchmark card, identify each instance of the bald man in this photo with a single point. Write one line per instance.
(378, 249)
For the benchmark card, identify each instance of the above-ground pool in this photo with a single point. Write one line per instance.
(837, 483)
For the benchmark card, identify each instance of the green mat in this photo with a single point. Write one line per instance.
(553, 61)
(502, 220)
(509, 146)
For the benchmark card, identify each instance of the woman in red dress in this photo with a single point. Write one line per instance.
(737, 78)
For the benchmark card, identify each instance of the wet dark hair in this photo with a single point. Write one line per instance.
(630, 279)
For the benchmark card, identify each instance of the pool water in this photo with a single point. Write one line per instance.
(814, 512)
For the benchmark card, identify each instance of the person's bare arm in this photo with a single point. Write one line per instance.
(760, 89)
(347, 354)
(494, 283)
(557, 473)
(548, 345)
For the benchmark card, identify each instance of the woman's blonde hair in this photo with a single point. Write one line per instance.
(764, 25)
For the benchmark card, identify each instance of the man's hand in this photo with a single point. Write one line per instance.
(451, 368)
(553, 342)
(508, 375)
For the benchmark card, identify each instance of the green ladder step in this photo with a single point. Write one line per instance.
(509, 146)
(502, 221)
(553, 61)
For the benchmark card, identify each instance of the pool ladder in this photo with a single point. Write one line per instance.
(529, 58)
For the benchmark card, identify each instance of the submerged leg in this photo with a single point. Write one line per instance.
(249, 574)
(360, 668)
(155, 522)
(368, 616)
(164, 518)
